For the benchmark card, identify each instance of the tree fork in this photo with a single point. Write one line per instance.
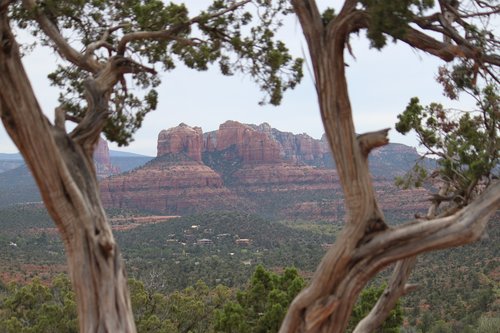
(326, 304)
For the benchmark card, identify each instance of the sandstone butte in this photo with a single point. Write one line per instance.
(102, 161)
(252, 168)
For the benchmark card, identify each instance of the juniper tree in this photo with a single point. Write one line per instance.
(104, 46)
(459, 34)
(121, 39)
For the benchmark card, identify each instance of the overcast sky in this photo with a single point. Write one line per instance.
(380, 85)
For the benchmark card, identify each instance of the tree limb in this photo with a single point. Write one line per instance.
(386, 302)
(98, 93)
(409, 239)
(65, 175)
(60, 118)
(445, 51)
(102, 42)
(61, 45)
(310, 19)
(371, 140)
(173, 31)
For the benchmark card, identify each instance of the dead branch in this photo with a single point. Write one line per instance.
(371, 140)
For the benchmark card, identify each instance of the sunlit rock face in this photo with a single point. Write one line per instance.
(181, 139)
(252, 146)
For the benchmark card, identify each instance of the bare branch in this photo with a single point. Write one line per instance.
(394, 290)
(60, 118)
(445, 51)
(410, 287)
(463, 227)
(371, 140)
(310, 20)
(98, 92)
(102, 42)
(321, 310)
(61, 45)
(396, 287)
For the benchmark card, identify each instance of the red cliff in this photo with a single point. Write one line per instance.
(251, 145)
(181, 139)
(247, 167)
(171, 184)
(103, 165)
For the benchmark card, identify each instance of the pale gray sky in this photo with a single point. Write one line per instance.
(380, 83)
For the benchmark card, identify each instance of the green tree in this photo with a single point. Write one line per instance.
(35, 308)
(190, 310)
(440, 326)
(102, 45)
(466, 142)
(366, 302)
(488, 324)
(262, 305)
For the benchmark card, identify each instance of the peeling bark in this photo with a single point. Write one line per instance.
(366, 244)
(64, 171)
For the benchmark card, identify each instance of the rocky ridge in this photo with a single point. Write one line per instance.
(246, 167)
(102, 161)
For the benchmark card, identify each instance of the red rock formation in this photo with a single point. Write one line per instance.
(181, 139)
(103, 165)
(285, 173)
(294, 147)
(169, 184)
(210, 141)
(251, 145)
(101, 152)
(266, 171)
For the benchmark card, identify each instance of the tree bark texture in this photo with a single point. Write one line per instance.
(366, 244)
(63, 168)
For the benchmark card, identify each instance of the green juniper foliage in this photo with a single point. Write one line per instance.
(225, 33)
(391, 18)
(261, 307)
(466, 143)
(36, 308)
(367, 299)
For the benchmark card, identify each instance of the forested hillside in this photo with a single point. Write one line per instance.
(458, 286)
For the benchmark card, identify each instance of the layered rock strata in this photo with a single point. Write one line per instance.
(248, 167)
(102, 161)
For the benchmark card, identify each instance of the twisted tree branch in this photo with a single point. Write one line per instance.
(61, 45)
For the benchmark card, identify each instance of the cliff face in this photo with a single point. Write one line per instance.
(102, 161)
(295, 147)
(252, 146)
(170, 184)
(181, 139)
(245, 167)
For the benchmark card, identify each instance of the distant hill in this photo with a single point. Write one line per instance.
(18, 186)
(10, 161)
(10, 157)
(129, 162)
(117, 153)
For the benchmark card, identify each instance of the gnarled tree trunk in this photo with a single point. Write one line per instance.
(366, 244)
(63, 168)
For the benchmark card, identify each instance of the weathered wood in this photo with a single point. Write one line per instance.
(366, 245)
(64, 172)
